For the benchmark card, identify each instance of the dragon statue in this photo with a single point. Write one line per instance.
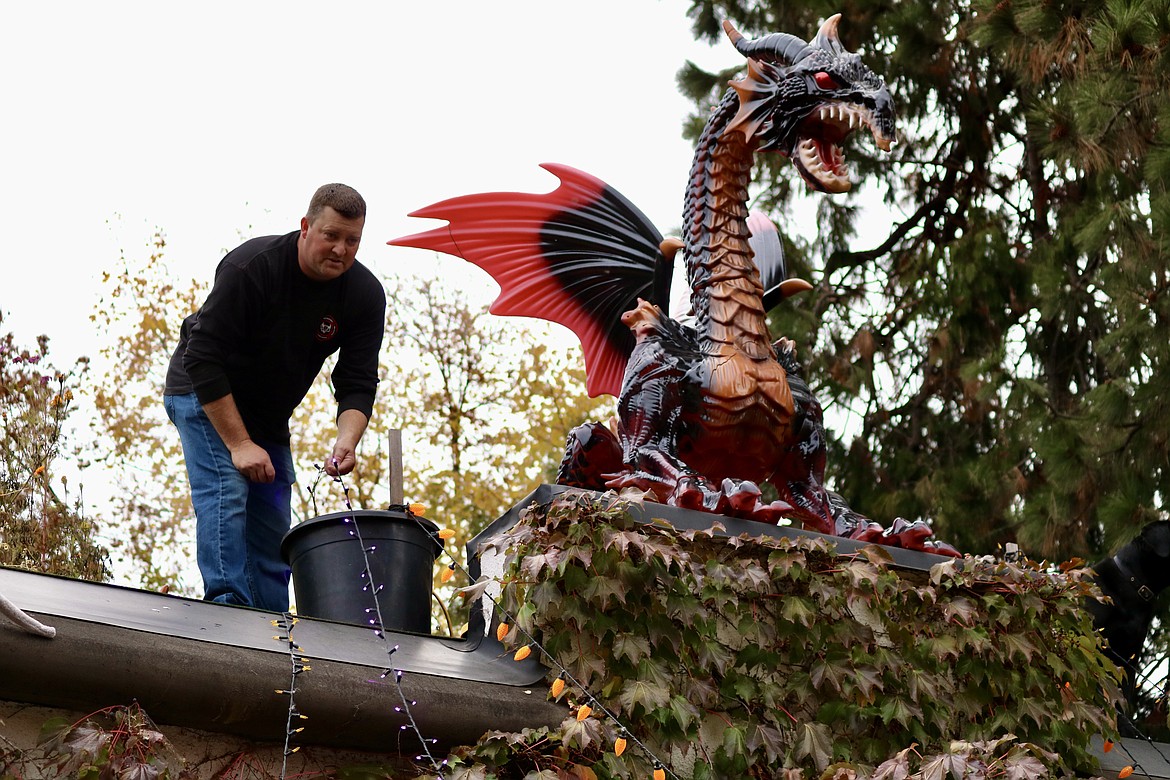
(709, 408)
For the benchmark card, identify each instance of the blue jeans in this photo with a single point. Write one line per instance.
(238, 524)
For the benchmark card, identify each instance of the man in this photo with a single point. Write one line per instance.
(280, 305)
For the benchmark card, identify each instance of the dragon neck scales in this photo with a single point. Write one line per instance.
(801, 100)
(725, 283)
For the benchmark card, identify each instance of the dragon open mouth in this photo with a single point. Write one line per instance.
(818, 154)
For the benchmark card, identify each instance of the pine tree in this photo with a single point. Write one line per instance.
(996, 363)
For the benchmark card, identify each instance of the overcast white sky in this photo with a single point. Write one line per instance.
(211, 120)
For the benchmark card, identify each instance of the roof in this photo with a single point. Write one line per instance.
(217, 667)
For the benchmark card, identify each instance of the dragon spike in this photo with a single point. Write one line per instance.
(777, 48)
(827, 36)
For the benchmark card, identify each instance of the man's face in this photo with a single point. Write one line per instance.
(328, 244)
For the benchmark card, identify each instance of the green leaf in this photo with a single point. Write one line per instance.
(768, 737)
(685, 713)
(798, 610)
(900, 710)
(813, 742)
(1018, 646)
(631, 646)
(644, 694)
(734, 741)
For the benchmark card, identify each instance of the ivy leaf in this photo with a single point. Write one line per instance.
(734, 742)
(136, 770)
(580, 772)
(623, 540)
(1018, 645)
(684, 712)
(830, 672)
(960, 610)
(866, 680)
(1024, 768)
(602, 590)
(581, 733)
(631, 646)
(756, 579)
(53, 732)
(896, 768)
(534, 564)
(798, 610)
(87, 740)
(877, 554)
(895, 708)
(861, 572)
(936, 767)
(769, 737)
(814, 742)
(944, 646)
(475, 590)
(947, 569)
(645, 694)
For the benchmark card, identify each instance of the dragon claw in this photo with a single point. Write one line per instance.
(914, 536)
(692, 493)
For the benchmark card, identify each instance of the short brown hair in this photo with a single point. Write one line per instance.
(343, 199)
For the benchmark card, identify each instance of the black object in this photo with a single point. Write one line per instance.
(329, 568)
(1132, 579)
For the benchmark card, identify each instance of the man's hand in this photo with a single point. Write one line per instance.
(351, 424)
(252, 460)
(341, 461)
(249, 458)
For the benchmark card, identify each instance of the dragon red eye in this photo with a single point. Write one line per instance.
(824, 80)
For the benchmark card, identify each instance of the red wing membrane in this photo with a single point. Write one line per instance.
(579, 256)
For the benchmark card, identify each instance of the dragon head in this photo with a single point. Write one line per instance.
(804, 99)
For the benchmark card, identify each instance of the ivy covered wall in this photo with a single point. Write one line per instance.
(704, 656)
(694, 654)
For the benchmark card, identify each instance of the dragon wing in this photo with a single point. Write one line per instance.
(579, 256)
(768, 254)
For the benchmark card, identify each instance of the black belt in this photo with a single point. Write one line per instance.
(1140, 587)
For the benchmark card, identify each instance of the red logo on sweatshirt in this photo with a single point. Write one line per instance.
(327, 328)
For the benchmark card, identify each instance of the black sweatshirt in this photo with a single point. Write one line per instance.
(266, 329)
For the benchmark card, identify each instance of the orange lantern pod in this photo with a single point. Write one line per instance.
(619, 746)
(447, 574)
(1108, 745)
(446, 533)
(558, 687)
(659, 774)
(1125, 772)
(501, 632)
(523, 653)
(584, 711)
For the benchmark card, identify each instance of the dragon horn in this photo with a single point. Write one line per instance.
(827, 37)
(779, 48)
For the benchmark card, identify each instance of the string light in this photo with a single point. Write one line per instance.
(416, 511)
(377, 622)
(564, 676)
(298, 664)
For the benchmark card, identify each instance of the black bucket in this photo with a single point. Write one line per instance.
(328, 568)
